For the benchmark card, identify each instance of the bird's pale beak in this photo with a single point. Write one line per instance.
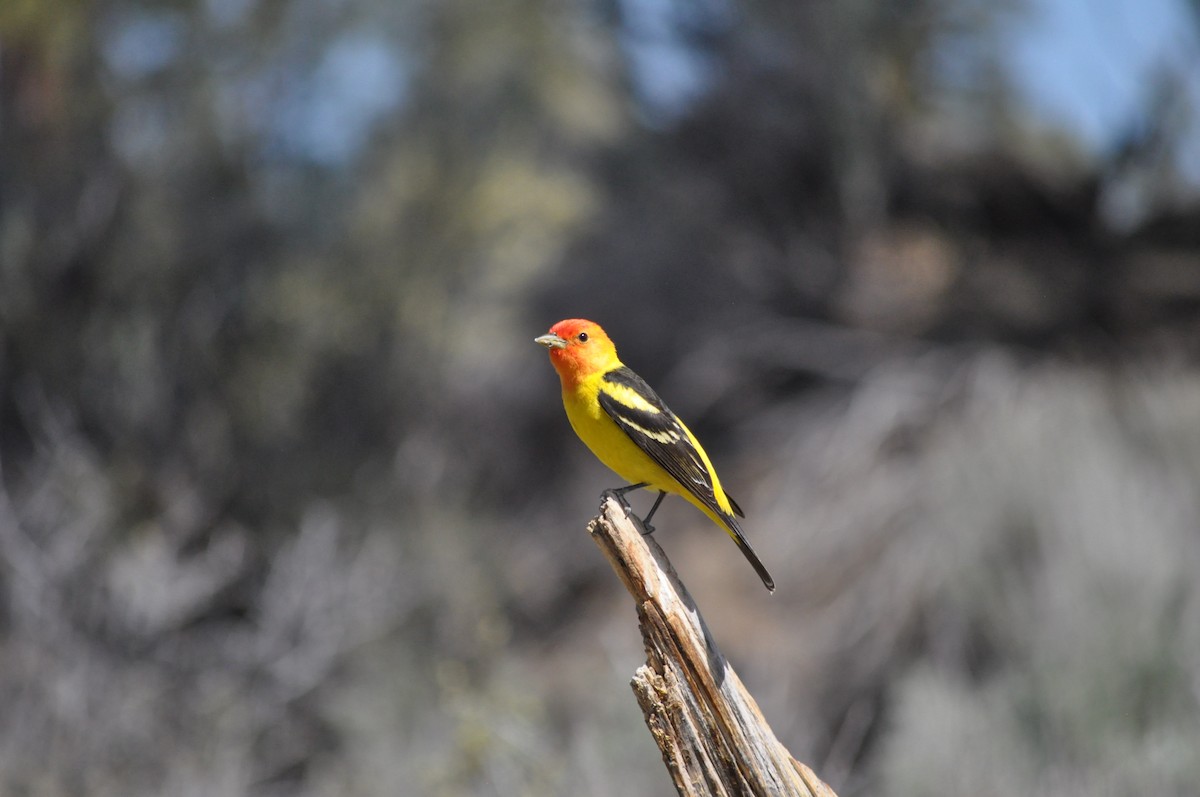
(551, 341)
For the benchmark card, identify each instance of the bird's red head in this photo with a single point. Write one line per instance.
(579, 348)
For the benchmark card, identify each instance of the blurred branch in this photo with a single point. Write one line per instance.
(712, 735)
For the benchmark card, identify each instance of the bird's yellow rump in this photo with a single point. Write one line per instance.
(629, 428)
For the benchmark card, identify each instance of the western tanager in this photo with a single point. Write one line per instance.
(629, 428)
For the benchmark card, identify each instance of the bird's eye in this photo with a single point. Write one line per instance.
(581, 337)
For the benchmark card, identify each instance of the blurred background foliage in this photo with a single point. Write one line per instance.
(288, 502)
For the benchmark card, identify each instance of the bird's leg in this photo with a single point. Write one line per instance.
(620, 494)
(653, 509)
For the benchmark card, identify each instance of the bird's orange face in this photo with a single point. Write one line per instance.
(578, 348)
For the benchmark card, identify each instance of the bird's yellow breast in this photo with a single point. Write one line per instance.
(607, 440)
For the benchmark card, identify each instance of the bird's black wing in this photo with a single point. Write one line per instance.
(636, 408)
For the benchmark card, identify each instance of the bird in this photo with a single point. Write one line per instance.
(633, 432)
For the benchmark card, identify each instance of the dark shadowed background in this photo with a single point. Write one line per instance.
(288, 503)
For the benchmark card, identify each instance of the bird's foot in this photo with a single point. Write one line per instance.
(646, 523)
(620, 499)
(619, 494)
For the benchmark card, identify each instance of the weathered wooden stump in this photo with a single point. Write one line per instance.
(713, 738)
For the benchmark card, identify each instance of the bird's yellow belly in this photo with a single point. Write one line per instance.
(614, 448)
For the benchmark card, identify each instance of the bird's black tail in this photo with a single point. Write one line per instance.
(735, 531)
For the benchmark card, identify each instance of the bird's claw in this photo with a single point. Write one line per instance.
(620, 498)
